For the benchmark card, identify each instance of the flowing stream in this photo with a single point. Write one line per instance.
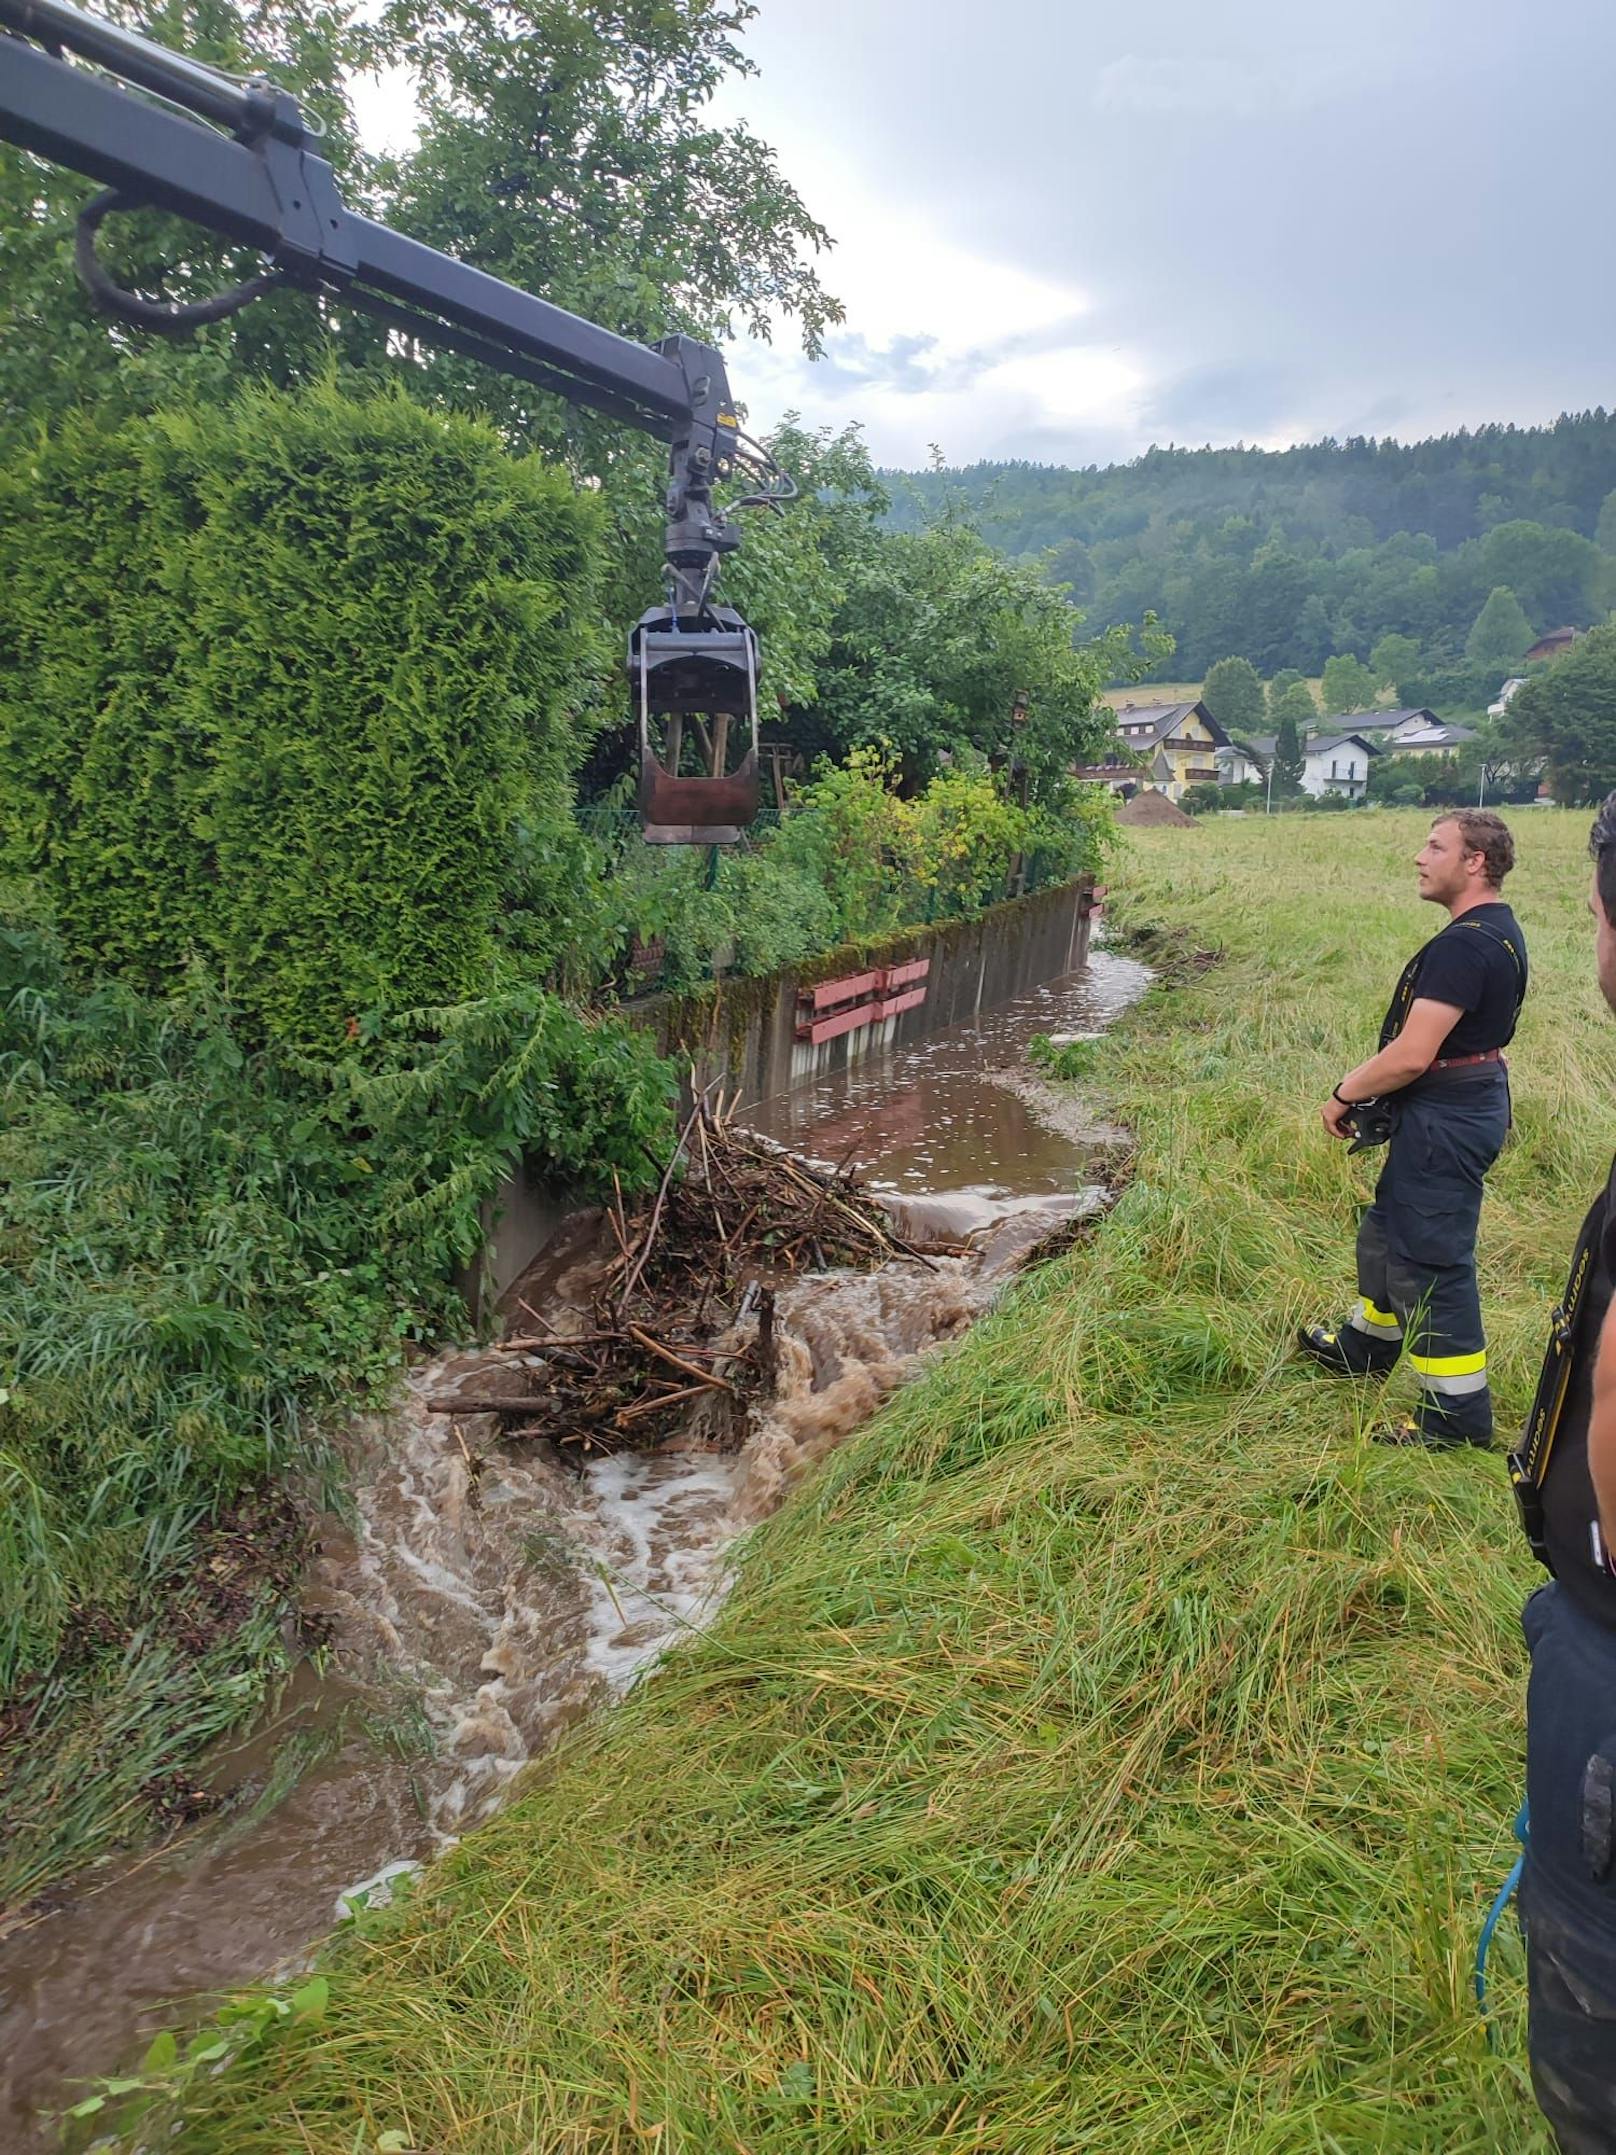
(483, 1597)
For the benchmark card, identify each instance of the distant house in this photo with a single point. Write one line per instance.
(1174, 744)
(1555, 644)
(1377, 725)
(1397, 733)
(1438, 738)
(1506, 695)
(1337, 763)
(1332, 762)
(1243, 763)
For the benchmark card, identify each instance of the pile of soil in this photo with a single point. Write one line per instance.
(682, 1320)
(1152, 808)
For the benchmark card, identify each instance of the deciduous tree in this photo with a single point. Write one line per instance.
(572, 148)
(1395, 658)
(936, 637)
(58, 356)
(1501, 631)
(1286, 678)
(1233, 693)
(1567, 717)
(569, 146)
(1348, 685)
(1296, 706)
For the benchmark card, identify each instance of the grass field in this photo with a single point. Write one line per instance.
(1177, 692)
(1110, 1749)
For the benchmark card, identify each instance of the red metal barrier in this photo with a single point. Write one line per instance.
(834, 1007)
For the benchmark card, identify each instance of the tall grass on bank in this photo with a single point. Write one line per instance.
(1110, 1749)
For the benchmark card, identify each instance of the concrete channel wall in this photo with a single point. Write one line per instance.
(745, 1031)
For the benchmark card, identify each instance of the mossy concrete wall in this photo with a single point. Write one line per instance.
(745, 1031)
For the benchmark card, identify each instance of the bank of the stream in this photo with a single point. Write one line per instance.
(1110, 1750)
(505, 1569)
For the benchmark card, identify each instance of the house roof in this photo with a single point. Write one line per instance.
(1261, 745)
(1436, 735)
(1320, 744)
(1147, 725)
(1380, 721)
(1552, 639)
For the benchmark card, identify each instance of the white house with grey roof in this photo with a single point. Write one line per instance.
(1332, 762)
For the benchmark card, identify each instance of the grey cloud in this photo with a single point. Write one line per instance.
(1221, 403)
(852, 362)
(1363, 214)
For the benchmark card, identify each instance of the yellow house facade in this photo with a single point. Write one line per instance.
(1172, 743)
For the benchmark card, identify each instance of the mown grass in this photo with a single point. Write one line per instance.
(1110, 1749)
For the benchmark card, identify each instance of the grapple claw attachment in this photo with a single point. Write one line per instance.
(705, 670)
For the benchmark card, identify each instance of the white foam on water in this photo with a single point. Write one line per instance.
(376, 1891)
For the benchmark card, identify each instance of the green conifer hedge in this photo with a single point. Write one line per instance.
(296, 685)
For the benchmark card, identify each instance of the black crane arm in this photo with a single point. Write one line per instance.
(263, 185)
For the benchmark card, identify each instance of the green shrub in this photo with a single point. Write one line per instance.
(853, 836)
(295, 685)
(966, 834)
(886, 862)
(779, 913)
(200, 1243)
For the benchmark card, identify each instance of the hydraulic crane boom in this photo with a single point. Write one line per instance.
(261, 184)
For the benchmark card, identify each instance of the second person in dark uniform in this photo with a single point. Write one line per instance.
(1565, 1478)
(1437, 1092)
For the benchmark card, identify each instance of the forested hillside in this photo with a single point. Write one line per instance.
(1288, 556)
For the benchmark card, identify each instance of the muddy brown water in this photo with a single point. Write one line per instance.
(482, 1598)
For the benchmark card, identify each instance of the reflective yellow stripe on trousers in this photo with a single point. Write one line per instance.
(1381, 1322)
(1452, 1374)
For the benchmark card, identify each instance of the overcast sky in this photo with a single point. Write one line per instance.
(1069, 228)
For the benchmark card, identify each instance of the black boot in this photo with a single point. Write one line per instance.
(1408, 1432)
(1332, 1353)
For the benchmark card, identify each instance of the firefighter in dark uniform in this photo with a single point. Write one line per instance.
(1565, 1479)
(1437, 1092)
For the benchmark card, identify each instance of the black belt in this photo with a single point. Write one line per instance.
(1529, 1463)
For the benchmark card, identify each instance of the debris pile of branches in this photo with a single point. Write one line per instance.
(681, 1335)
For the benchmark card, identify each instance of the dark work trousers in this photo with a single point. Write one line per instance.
(1417, 1249)
(1568, 1892)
